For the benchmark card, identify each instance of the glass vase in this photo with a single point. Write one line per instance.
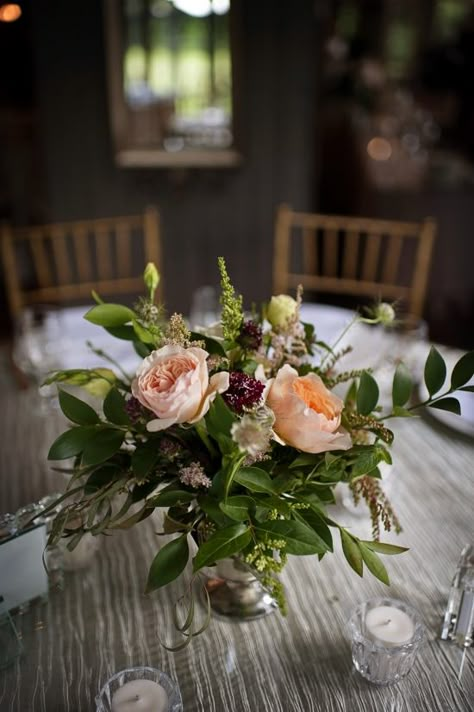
(235, 592)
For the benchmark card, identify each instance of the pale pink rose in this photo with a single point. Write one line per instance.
(307, 414)
(174, 383)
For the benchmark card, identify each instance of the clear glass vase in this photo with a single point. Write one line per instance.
(235, 592)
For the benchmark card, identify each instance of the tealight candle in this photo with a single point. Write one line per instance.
(140, 696)
(386, 635)
(389, 626)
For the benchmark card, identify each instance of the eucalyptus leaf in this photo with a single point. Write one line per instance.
(168, 564)
(374, 564)
(224, 543)
(76, 410)
(452, 405)
(109, 315)
(435, 371)
(402, 385)
(352, 552)
(103, 444)
(468, 389)
(367, 394)
(299, 538)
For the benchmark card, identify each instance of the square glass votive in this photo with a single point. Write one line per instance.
(139, 689)
(386, 635)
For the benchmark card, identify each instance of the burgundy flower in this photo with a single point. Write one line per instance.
(243, 392)
(134, 409)
(250, 336)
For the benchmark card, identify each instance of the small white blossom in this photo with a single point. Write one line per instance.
(194, 476)
(251, 435)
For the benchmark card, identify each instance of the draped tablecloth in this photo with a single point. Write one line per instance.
(101, 622)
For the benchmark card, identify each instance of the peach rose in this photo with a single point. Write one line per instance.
(307, 414)
(174, 383)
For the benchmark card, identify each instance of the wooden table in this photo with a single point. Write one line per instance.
(101, 622)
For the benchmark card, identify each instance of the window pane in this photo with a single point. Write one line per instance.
(177, 73)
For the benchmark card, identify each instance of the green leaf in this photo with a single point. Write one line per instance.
(367, 394)
(168, 564)
(143, 334)
(126, 333)
(463, 371)
(352, 552)
(318, 525)
(76, 410)
(70, 443)
(114, 408)
(212, 346)
(103, 444)
(224, 543)
(171, 498)
(254, 479)
(368, 461)
(402, 385)
(383, 548)
(435, 371)
(109, 315)
(452, 405)
(237, 508)
(374, 564)
(219, 418)
(144, 458)
(211, 507)
(468, 389)
(400, 412)
(102, 476)
(300, 539)
(142, 349)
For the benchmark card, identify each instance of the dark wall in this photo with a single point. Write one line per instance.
(205, 213)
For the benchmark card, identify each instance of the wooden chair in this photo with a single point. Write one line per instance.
(63, 262)
(358, 256)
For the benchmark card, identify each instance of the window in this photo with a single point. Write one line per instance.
(171, 82)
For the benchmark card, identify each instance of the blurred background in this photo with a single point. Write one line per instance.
(217, 111)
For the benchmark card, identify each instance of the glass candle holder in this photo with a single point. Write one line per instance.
(386, 636)
(143, 689)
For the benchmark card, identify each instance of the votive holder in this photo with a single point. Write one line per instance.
(156, 702)
(386, 636)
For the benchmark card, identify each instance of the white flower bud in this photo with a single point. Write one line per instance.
(281, 310)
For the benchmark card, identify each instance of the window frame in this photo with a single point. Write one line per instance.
(127, 154)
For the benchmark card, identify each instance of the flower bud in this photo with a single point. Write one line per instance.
(281, 310)
(151, 277)
(385, 313)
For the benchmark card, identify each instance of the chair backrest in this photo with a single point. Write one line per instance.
(64, 262)
(363, 257)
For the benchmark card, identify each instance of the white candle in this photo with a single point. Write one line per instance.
(389, 626)
(140, 696)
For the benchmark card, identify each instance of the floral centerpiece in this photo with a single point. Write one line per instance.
(237, 433)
